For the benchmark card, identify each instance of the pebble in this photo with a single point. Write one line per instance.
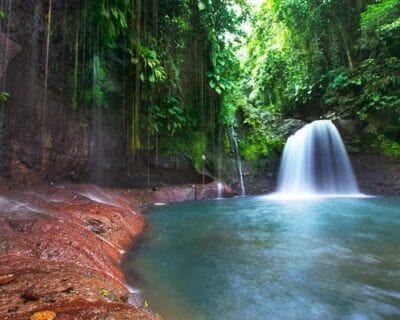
(44, 315)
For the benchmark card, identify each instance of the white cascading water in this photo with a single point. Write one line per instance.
(220, 190)
(238, 160)
(315, 162)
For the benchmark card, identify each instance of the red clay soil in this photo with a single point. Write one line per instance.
(61, 246)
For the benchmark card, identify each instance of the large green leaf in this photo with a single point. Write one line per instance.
(201, 5)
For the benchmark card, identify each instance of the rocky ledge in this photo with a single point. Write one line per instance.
(61, 247)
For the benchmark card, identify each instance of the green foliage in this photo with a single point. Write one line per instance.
(389, 147)
(226, 81)
(153, 71)
(181, 72)
(232, 101)
(307, 58)
(380, 26)
(110, 19)
(370, 91)
(260, 134)
(169, 67)
(197, 148)
(4, 96)
(169, 118)
(377, 15)
(222, 20)
(259, 146)
(193, 146)
(283, 64)
(375, 141)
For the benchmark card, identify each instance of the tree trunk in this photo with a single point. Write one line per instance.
(346, 47)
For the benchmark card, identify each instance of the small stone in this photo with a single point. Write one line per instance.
(44, 315)
(6, 279)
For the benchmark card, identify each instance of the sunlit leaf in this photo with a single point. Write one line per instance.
(201, 5)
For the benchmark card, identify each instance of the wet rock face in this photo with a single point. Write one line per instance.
(347, 128)
(8, 49)
(60, 249)
(377, 174)
(289, 127)
(23, 114)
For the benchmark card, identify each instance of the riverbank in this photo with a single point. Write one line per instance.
(61, 247)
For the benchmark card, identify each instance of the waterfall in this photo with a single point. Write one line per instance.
(97, 154)
(220, 190)
(238, 160)
(315, 161)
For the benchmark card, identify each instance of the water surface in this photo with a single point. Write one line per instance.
(257, 258)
